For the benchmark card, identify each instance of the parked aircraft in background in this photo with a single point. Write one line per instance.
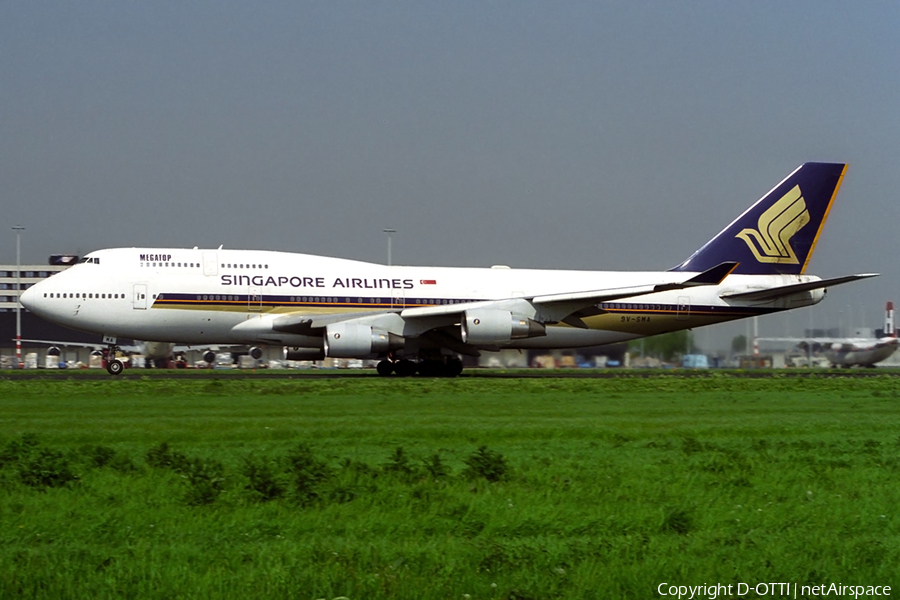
(852, 352)
(419, 319)
(862, 353)
(155, 354)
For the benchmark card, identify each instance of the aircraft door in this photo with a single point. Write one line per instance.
(684, 308)
(398, 299)
(140, 296)
(254, 299)
(210, 264)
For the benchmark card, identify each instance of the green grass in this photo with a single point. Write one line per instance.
(421, 488)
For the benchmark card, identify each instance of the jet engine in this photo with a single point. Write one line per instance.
(209, 356)
(255, 352)
(352, 340)
(492, 326)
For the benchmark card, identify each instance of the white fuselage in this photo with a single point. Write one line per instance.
(195, 296)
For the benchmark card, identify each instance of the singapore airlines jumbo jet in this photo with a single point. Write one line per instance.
(420, 319)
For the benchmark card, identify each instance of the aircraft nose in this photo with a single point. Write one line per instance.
(28, 298)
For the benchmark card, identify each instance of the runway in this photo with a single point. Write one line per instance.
(209, 374)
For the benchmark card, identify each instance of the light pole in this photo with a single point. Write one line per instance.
(390, 233)
(755, 342)
(18, 229)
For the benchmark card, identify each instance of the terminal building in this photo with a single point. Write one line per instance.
(33, 327)
(31, 274)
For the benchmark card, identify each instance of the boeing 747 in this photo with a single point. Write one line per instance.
(420, 319)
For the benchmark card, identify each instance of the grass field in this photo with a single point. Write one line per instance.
(433, 488)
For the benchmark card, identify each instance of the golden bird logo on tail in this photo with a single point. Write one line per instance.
(777, 225)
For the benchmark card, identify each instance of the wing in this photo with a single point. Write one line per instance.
(535, 311)
(557, 306)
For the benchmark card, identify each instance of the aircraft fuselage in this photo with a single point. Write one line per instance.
(193, 296)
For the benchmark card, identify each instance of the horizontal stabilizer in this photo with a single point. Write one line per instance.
(796, 288)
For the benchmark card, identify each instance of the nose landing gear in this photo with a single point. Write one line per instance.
(114, 366)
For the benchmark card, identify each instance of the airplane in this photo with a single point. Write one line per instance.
(852, 352)
(420, 319)
(862, 353)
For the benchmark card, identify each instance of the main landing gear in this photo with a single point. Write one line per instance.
(450, 367)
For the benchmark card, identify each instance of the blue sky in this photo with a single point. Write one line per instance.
(544, 135)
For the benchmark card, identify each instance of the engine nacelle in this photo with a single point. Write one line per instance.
(209, 356)
(295, 353)
(352, 340)
(255, 352)
(492, 326)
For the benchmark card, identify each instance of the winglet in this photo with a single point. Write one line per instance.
(713, 276)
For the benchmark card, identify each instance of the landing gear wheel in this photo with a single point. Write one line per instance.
(431, 368)
(439, 368)
(405, 368)
(115, 367)
(385, 368)
(454, 367)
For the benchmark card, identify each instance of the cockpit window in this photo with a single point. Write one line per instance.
(90, 259)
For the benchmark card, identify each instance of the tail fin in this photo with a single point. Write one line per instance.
(777, 235)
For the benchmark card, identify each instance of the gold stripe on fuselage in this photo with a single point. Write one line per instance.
(655, 322)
